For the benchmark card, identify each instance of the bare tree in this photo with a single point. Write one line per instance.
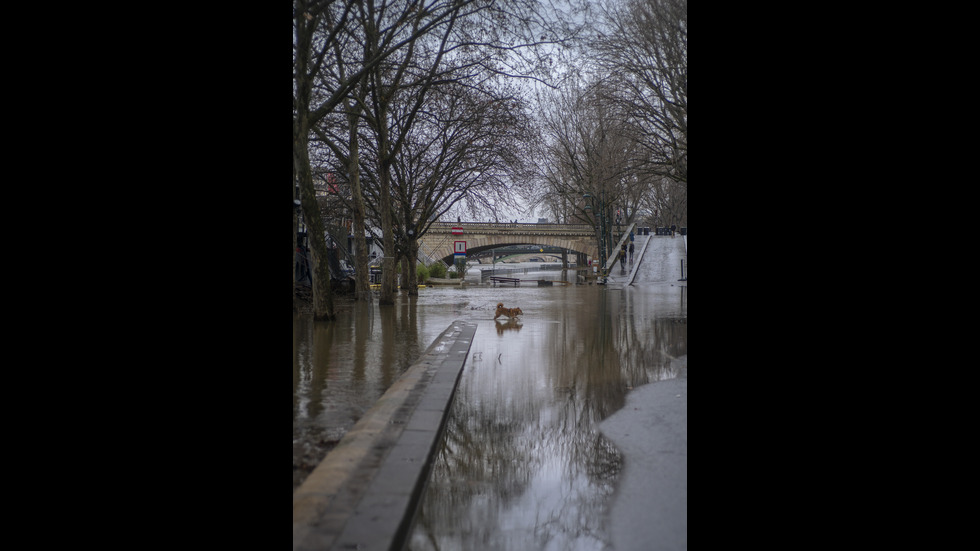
(316, 24)
(383, 57)
(466, 145)
(641, 49)
(318, 28)
(589, 152)
(621, 134)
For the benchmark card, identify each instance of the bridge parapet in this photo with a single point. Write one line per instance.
(480, 236)
(510, 227)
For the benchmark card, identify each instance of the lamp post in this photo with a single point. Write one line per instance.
(602, 232)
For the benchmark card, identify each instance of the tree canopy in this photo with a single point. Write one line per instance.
(406, 110)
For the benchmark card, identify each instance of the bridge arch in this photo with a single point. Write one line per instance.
(438, 241)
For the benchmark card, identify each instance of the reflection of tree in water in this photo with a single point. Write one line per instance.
(646, 344)
(647, 349)
(483, 480)
(479, 464)
(340, 369)
(529, 465)
(522, 464)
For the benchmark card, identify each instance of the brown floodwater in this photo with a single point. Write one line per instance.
(522, 464)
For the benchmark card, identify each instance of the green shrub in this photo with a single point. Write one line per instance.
(422, 272)
(437, 269)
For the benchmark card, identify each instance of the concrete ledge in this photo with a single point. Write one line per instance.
(638, 258)
(364, 493)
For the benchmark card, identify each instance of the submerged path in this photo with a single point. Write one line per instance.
(364, 493)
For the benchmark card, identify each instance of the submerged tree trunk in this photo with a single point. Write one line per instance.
(388, 275)
(295, 231)
(403, 262)
(322, 292)
(362, 281)
(412, 257)
(322, 296)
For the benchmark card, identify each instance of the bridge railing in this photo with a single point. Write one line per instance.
(504, 226)
(485, 275)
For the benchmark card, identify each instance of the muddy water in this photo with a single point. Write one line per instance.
(341, 368)
(522, 464)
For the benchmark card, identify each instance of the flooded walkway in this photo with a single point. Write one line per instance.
(522, 464)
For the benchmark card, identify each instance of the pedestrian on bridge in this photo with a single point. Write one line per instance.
(631, 252)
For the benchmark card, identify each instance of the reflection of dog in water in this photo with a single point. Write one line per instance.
(509, 312)
(511, 324)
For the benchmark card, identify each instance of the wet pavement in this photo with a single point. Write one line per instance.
(523, 463)
(649, 510)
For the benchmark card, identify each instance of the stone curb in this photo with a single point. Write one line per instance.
(364, 493)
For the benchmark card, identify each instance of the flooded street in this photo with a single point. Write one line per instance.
(522, 464)
(341, 368)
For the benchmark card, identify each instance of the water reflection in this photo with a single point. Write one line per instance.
(522, 464)
(528, 272)
(341, 368)
(513, 324)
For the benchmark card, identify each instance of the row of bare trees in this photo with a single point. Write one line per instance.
(417, 107)
(619, 134)
(411, 105)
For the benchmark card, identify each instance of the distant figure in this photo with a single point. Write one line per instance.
(622, 256)
(458, 221)
(673, 228)
(631, 253)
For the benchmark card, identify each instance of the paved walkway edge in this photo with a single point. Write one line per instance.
(364, 493)
(638, 258)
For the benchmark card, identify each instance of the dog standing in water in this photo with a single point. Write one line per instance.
(509, 312)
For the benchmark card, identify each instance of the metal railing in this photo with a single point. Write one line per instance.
(485, 275)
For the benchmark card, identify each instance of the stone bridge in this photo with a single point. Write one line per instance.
(439, 241)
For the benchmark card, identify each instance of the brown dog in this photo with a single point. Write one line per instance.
(509, 312)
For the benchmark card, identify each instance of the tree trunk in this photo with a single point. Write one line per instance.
(362, 274)
(322, 291)
(388, 276)
(322, 295)
(295, 231)
(412, 260)
(403, 262)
